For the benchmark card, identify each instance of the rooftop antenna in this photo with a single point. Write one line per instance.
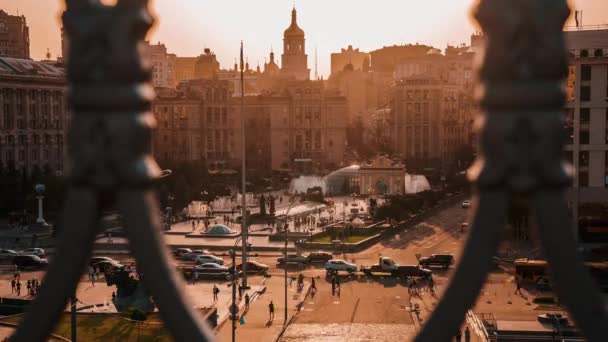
(316, 66)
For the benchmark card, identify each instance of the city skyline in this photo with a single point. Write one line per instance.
(186, 27)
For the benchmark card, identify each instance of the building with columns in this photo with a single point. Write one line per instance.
(294, 60)
(33, 116)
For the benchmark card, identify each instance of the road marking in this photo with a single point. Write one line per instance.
(352, 317)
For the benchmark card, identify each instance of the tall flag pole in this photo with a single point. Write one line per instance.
(244, 229)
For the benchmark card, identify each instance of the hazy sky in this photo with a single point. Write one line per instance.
(188, 26)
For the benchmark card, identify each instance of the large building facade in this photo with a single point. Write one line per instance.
(33, 116)
(162, 63)
(587, 119)
(358, 59)
(14, 36)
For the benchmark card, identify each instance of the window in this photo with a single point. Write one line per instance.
(584, 137)
(585, 72)
(598, 53)
(585, 93)
(584, 53)
(585, 114)
(583, 158)
(583, 179)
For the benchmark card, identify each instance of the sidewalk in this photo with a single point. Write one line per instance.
(257, 327)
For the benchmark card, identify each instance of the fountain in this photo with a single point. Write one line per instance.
(415, 184)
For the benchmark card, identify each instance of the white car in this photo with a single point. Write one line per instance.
(336, 265)
(191, 256)
(7, 253)
(206, 259)
(33, 251)
(466, 204)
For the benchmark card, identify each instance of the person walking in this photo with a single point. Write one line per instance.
(518, 289)
(92, 275)
(216, 291)
(271, 311)
(333, 286)
(247, 301)
(467, 335)
(193, 225)
(13, 286)
(195, 276)
(28, 286)
(18, 286)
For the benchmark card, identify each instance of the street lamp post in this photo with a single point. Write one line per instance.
(285, 230)
(243, 178)
(233, 308)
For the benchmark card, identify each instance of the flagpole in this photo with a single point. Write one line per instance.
(244, 229)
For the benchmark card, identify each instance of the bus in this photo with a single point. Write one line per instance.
(537, 272)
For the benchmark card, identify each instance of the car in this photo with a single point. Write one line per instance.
(414, 271)
(212, 270)
(293, 258)
(181, 251)
(466, 204)
(33, 261)
(253, 267)
(33, 251)
(319, 257)
(194, 254)
(208, 258)
(97, 259)
(7, 254)
(107, 266)
(442, 260)
(336, 265)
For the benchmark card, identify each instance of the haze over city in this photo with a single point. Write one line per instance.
(186, 27)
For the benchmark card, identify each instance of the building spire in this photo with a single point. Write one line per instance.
(316, 66)
(294, 15)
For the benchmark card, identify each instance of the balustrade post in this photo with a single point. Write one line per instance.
(110, 147)
(520, 91)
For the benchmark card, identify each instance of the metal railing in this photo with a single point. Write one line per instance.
(520, 92)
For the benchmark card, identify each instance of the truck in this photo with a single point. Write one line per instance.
(386, 265)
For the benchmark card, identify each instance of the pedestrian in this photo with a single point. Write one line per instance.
(13, 285)
(313, 285)
(216, 291)
(113, 296)
(518, 290)
(240, 291)
(291, 279)
(333, 286)
(338, 282)
(247, 301)
(467, 335)
(458, 335)
(195, 276)
(92, 275)
(193, 225)
(271, 310)
(28, 286)
(18, 287)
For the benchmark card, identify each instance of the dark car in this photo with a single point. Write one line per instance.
(441, 260)
(33, 261)
(212, 270)
(253, 267)
(319, 257)
(293, 258)
(414, 271)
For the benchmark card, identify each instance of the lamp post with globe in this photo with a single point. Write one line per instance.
(40, 189)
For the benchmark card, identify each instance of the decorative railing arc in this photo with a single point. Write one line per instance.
(520, 91)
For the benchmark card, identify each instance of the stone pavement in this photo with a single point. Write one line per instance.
(257, 325)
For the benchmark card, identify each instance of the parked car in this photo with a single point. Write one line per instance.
(441, 260)
(108, 266)
(33, 251)
(7, 254)
(179, 252)
(33, 261)
(293, 258)
(336, 265)
(212, 270)
(194, 254)
(319, 257)
(253, 267)
(97, 259)
(466, 204)
(208, 258)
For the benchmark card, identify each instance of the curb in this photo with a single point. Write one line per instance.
(299, 307)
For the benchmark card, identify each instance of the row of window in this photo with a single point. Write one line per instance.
(34, 139)
(35, 155)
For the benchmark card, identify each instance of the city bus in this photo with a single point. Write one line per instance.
(537, 272)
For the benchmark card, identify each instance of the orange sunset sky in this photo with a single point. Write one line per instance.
(188, 26)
